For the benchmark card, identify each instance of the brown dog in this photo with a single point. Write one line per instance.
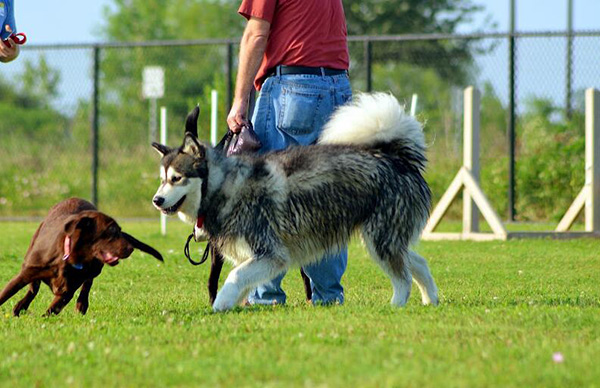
(68, 251)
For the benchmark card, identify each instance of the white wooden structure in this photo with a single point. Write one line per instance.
(474, 200)
(467, 179)
(589, 196)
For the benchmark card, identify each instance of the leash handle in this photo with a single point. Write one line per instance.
(186, 251)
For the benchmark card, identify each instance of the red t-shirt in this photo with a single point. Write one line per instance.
(303, 33)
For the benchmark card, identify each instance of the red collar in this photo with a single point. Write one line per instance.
(200, 221)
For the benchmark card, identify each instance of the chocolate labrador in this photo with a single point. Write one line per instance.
(67, 251)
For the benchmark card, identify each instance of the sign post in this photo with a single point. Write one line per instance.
(153, 88)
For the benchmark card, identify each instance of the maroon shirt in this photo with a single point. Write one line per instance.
(303, 33)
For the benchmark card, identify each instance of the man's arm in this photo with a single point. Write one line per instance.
(252, 50)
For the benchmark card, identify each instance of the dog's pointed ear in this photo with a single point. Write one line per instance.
(161, 149)
(191, 123)
(191, 146)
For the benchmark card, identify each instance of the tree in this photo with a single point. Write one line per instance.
(451, 58)
(190, 71)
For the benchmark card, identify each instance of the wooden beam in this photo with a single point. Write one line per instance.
(592, 159)
(569, 218)
(471, 155)
(484, 206)
(444, 203)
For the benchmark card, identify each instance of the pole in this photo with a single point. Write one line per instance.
(569, 75)
(592, 156)
(163, 140)
(413, 105)
(229, 75)
(368, 58)
(213, 117)
(152, 120)
(512, 115)
(95, 125)
(471, 155)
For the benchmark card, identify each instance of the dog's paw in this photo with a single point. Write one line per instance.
(226, 298)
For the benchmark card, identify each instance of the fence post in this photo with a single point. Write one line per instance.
(569, 70)
(471, 156)
(368, 58)
(95, 125)
(511, 119)
(229, 76)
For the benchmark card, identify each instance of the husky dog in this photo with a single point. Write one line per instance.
(268, 212)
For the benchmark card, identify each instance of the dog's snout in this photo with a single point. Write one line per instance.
(158, 201)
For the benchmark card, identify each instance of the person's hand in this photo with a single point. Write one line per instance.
(237, 115)
(8, 52)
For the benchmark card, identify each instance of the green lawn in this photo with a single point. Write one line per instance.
(506, 309)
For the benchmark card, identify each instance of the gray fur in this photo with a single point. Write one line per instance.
(268, 212)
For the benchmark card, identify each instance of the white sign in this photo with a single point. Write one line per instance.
(153, 82)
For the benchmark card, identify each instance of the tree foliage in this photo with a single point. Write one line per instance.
(451, 58)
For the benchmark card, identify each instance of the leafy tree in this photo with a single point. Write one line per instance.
(190, 71)
(26, 110)
(452, 58)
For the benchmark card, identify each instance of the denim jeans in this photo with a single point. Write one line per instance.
(291, 110)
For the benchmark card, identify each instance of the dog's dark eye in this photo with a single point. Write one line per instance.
(175, 179)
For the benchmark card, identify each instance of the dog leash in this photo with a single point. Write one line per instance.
(186, 251)
(223, 146)
(19, 38)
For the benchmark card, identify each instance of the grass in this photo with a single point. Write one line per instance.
(506, 308)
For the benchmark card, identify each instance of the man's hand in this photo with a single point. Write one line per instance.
(7, 53)
(237, 115)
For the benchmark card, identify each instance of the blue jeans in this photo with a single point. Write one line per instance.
(291, 110)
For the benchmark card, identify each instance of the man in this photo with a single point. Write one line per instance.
(7, 27)
(295, 52)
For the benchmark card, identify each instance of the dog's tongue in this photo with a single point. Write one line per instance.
(110, 259)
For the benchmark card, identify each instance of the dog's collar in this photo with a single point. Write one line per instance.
(67, 250)
(200, 221)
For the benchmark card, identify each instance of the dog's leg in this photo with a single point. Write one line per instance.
(14, 286)
(245, 276)
(422, 276)
(393, 260)
(59, 302)
(216, 266)
(24, 303)
(307, 287)
(83, 300)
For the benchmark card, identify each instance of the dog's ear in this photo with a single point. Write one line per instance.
(161, 149)
(191, 146)
(141, 246)
(86, 224)
(191, 123)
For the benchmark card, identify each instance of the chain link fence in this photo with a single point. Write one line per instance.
(73, 121)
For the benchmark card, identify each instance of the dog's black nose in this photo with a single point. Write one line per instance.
(158, 201)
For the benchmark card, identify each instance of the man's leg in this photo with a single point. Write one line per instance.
(268, 293)
(326, 277)
(264, 126)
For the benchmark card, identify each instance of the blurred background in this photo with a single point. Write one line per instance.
(74, 120)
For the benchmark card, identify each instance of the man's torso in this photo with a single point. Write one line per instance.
(303, 33)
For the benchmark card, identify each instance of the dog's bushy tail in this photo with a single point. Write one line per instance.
(376, 120)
